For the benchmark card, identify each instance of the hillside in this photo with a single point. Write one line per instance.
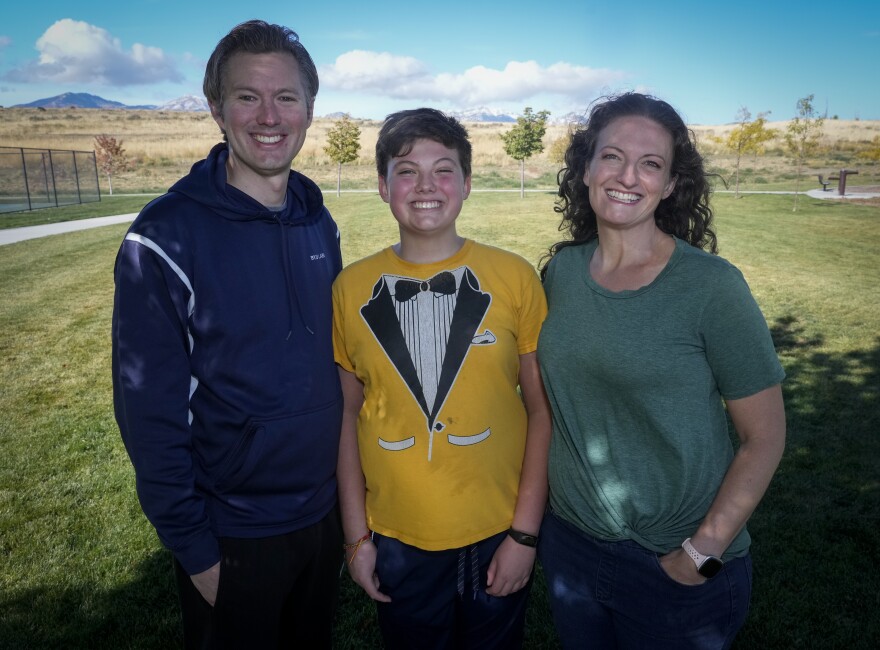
(163, 144)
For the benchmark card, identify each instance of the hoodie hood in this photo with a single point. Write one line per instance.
(206, 184)
(304, 205)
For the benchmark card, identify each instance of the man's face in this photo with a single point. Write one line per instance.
(265, 114)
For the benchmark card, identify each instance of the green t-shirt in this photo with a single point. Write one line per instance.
(636, 380)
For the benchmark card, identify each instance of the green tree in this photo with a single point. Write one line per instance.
(748, 137)
(525, 140)
(110, 157)
(802, 138)
(343, 145)
(559, 146)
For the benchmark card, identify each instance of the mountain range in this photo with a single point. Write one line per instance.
(85, 100)
(198, 103)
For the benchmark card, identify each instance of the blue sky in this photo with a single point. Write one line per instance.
(374, 57)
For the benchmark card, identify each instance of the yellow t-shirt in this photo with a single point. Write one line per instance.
(442, 431)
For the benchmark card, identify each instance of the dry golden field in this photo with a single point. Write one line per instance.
(162, 145)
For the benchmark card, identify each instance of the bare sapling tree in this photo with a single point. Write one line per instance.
(343, 145)
(802, 138)
(525, 140)
(110, 157)
(748, 137)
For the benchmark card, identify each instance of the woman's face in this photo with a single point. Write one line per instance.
(630, 172)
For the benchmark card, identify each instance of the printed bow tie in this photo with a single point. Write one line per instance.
(443, 282)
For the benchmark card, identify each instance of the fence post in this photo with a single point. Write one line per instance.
(27, 186)
(43, 155)
(97, 178)
(54, 186)
(76, 177)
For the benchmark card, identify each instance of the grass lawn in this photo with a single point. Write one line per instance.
(80, 567)
(108, 205)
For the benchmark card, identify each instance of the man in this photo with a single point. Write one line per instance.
(225, 389)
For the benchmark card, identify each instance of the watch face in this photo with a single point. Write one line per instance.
(711, 567)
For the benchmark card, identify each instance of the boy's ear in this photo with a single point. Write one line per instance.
(383, 189)
(467, 187)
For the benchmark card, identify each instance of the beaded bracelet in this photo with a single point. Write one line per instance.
(356, 546)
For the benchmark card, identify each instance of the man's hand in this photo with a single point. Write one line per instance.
(207, 582)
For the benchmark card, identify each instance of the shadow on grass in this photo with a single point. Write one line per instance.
(816, 537)
(142, 614)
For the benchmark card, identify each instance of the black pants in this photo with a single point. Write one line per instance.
(275, 592)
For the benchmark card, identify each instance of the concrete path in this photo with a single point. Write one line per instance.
(12, 235)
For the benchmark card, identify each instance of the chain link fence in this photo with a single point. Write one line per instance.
(46, 178)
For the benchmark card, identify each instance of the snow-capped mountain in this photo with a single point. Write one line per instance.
(482, 114)
(185, 103)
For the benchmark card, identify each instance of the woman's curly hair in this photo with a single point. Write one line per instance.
(685, 213)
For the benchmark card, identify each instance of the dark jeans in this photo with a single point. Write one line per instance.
(433, 601)
(275, 592)
(616, 595)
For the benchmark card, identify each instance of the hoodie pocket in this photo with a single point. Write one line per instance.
(290, 452)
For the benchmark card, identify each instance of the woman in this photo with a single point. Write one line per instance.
(648, 335)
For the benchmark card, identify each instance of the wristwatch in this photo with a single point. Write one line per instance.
(708, 566)
(523, 538)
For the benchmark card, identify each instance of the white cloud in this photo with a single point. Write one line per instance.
(402, 77)
(73, 51)
(5, 41)
(371, 71)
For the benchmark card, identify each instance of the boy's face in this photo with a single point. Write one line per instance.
(425, 189)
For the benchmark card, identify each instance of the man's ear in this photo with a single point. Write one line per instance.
(383, 189)
(217, 114)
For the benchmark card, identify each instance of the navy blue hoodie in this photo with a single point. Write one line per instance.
(224, 385)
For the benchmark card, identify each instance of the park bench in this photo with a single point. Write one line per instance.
(824, 183)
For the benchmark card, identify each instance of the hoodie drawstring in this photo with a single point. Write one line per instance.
(288, 280)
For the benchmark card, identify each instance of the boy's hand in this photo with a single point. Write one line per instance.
(510, 569)
(363, 571)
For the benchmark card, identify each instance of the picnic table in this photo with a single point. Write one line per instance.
(841, 179)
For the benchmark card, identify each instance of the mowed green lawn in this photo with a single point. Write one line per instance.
(81, 568)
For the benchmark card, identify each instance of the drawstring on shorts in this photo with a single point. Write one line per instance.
(475, 570)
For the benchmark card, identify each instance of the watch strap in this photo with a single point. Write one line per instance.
(523, 538)
(695, 555)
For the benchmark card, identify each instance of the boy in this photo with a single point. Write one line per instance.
(442, 466)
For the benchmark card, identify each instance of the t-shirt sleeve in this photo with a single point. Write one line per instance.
(340, 352)
(533, 311)
(739, 347)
